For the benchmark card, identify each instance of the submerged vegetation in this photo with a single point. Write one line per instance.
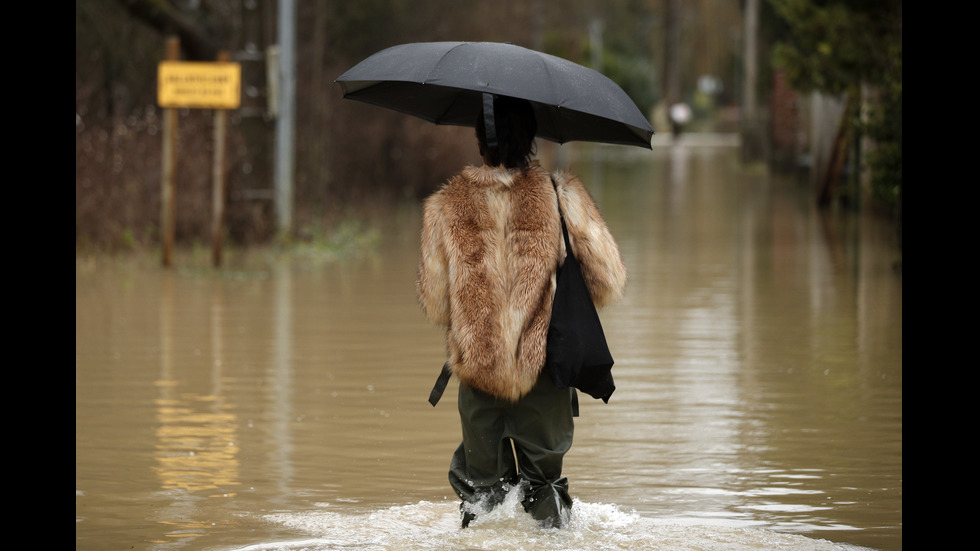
(348, 239)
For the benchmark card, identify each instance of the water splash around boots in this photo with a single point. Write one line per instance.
(591, 526)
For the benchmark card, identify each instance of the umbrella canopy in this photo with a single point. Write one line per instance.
(445, 83)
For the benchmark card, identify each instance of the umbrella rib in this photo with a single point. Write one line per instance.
(554, 123)
(425, 81)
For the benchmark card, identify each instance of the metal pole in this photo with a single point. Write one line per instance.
(285, 126)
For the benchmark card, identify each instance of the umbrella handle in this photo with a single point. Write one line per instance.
(489, 120)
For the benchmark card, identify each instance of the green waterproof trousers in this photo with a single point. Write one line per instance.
(507, 444)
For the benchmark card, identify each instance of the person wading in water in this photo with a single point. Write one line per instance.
(490, 243)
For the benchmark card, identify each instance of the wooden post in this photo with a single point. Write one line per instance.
(169, 162)
(218, 193)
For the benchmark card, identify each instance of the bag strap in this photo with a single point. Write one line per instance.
(568, 252)
(564, 230)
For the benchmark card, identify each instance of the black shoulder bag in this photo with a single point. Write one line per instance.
(577, 353)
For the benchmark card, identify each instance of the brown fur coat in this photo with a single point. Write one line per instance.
(491, 240)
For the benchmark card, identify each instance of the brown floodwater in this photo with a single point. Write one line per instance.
(280, 402)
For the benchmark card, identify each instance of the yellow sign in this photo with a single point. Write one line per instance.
(201, 85)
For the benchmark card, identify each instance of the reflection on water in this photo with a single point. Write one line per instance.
(281, 403)
(195, 435)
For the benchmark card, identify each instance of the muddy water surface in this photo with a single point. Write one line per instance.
(280, 402)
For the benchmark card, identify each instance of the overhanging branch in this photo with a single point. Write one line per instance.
(195, 40)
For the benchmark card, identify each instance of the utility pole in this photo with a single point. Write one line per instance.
(285, 122)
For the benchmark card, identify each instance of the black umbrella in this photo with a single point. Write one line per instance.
(447, 83)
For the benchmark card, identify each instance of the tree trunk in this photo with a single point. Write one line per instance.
(838, 156)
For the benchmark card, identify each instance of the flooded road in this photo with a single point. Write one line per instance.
(281, 402)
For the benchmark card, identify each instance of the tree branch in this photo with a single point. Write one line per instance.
(195, 40)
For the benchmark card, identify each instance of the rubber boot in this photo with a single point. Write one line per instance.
(483, 501)
(549, 504)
